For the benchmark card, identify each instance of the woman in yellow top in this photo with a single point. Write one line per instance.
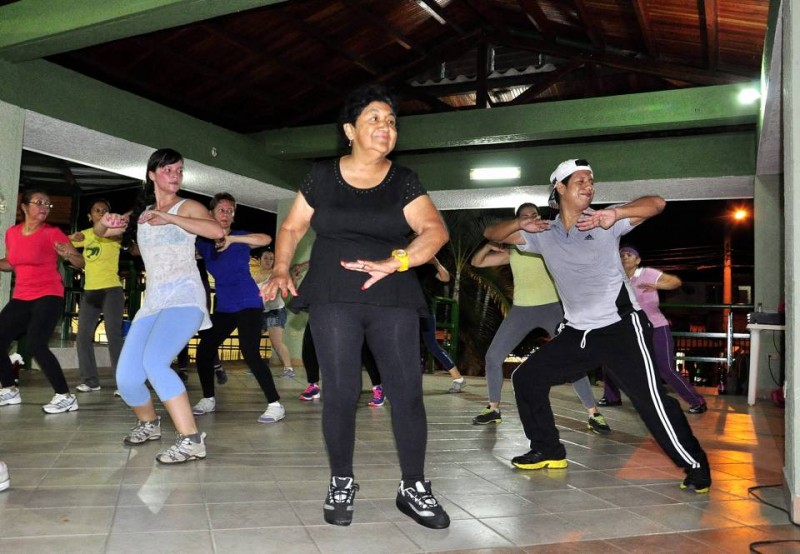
(102, 294)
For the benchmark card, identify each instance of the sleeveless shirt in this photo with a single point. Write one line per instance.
(173, 280)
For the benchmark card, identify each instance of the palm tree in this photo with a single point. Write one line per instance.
(487, 292)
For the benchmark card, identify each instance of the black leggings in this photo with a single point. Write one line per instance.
(35, 320)
(249, 323)
(392, 335)
(311, 363)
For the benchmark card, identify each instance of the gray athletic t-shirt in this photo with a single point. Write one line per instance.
(587, 271)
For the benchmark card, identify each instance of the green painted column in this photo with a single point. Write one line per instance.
(12, 122)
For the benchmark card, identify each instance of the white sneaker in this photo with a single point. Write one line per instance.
(184, 450)
(144, 431)
(288, 372)
(5, 482)
(61, 403)
(9, 395)
(275, 412)
(83, 387)
(205, 406)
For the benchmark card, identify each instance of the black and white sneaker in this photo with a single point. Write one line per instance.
(417, 501)
(338, 507)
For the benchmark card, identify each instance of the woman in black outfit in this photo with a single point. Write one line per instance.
(363, 207)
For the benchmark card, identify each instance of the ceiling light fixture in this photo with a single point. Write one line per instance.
(494, 173)
(424, 5)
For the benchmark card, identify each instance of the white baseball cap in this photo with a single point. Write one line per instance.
(564, 170)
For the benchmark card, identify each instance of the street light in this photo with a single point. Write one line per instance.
(738, 215)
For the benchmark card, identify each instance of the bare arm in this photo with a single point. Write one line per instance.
(637, 211)
(192, 217)
(667, 281)
(70, 254)
(292, 230)
(441, 271)
(490, 254)
(502, 230)
(431, 234)
(5, 266)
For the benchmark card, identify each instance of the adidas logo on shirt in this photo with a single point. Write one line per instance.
(589, 237)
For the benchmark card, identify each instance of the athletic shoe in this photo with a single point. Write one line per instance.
(457, 386)
(184, 450)
(144, 431)
(699, 408)
(117, 394)
(606, 402)
(222, 375)
(9, 396)
(311, 393)
(417, 502)
(487, 416)
(377, 397)
(205, 406)
(274, 413)
(61, 403)
(536, 460)
(83, 387)
(699, 478)
(338, 507)
(597, 424)
(288, 372)
(182, 374)
(5, 482)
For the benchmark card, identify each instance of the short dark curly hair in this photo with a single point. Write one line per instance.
(359, 99)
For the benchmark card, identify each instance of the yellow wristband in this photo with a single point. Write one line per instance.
(401, 256)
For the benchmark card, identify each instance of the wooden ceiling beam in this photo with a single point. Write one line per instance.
(640, 7)
(374, 20)
(538, 88)
(537, 17)
(482, 75)
(711, 33)
(435, 10)
(318, 34)
(664, 70)
(587, 22)
(296, 70)
(399, 75)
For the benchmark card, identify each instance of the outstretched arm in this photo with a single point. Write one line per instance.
(637, 211)
(490, 254)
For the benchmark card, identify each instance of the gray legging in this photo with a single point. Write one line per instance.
(111, 303)
(520, 321)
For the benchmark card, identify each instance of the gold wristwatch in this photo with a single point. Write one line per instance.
(401, 256)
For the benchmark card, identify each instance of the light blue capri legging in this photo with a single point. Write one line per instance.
(151, 345)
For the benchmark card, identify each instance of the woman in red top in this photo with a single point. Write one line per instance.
(33, 249)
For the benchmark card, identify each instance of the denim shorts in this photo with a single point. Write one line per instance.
(274, 318)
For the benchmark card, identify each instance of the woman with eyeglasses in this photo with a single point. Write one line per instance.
(102, 294)
(165, 227)
(238, 305)
(33, 250)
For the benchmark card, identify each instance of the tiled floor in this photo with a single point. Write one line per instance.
(76, 488)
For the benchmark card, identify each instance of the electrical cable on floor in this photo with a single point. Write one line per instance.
(755, 545)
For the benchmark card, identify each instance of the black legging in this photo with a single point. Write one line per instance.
(34, 319)
(311, 363)
(392, 335)
(249, 323)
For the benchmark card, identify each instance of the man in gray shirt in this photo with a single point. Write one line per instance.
(603, 324)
